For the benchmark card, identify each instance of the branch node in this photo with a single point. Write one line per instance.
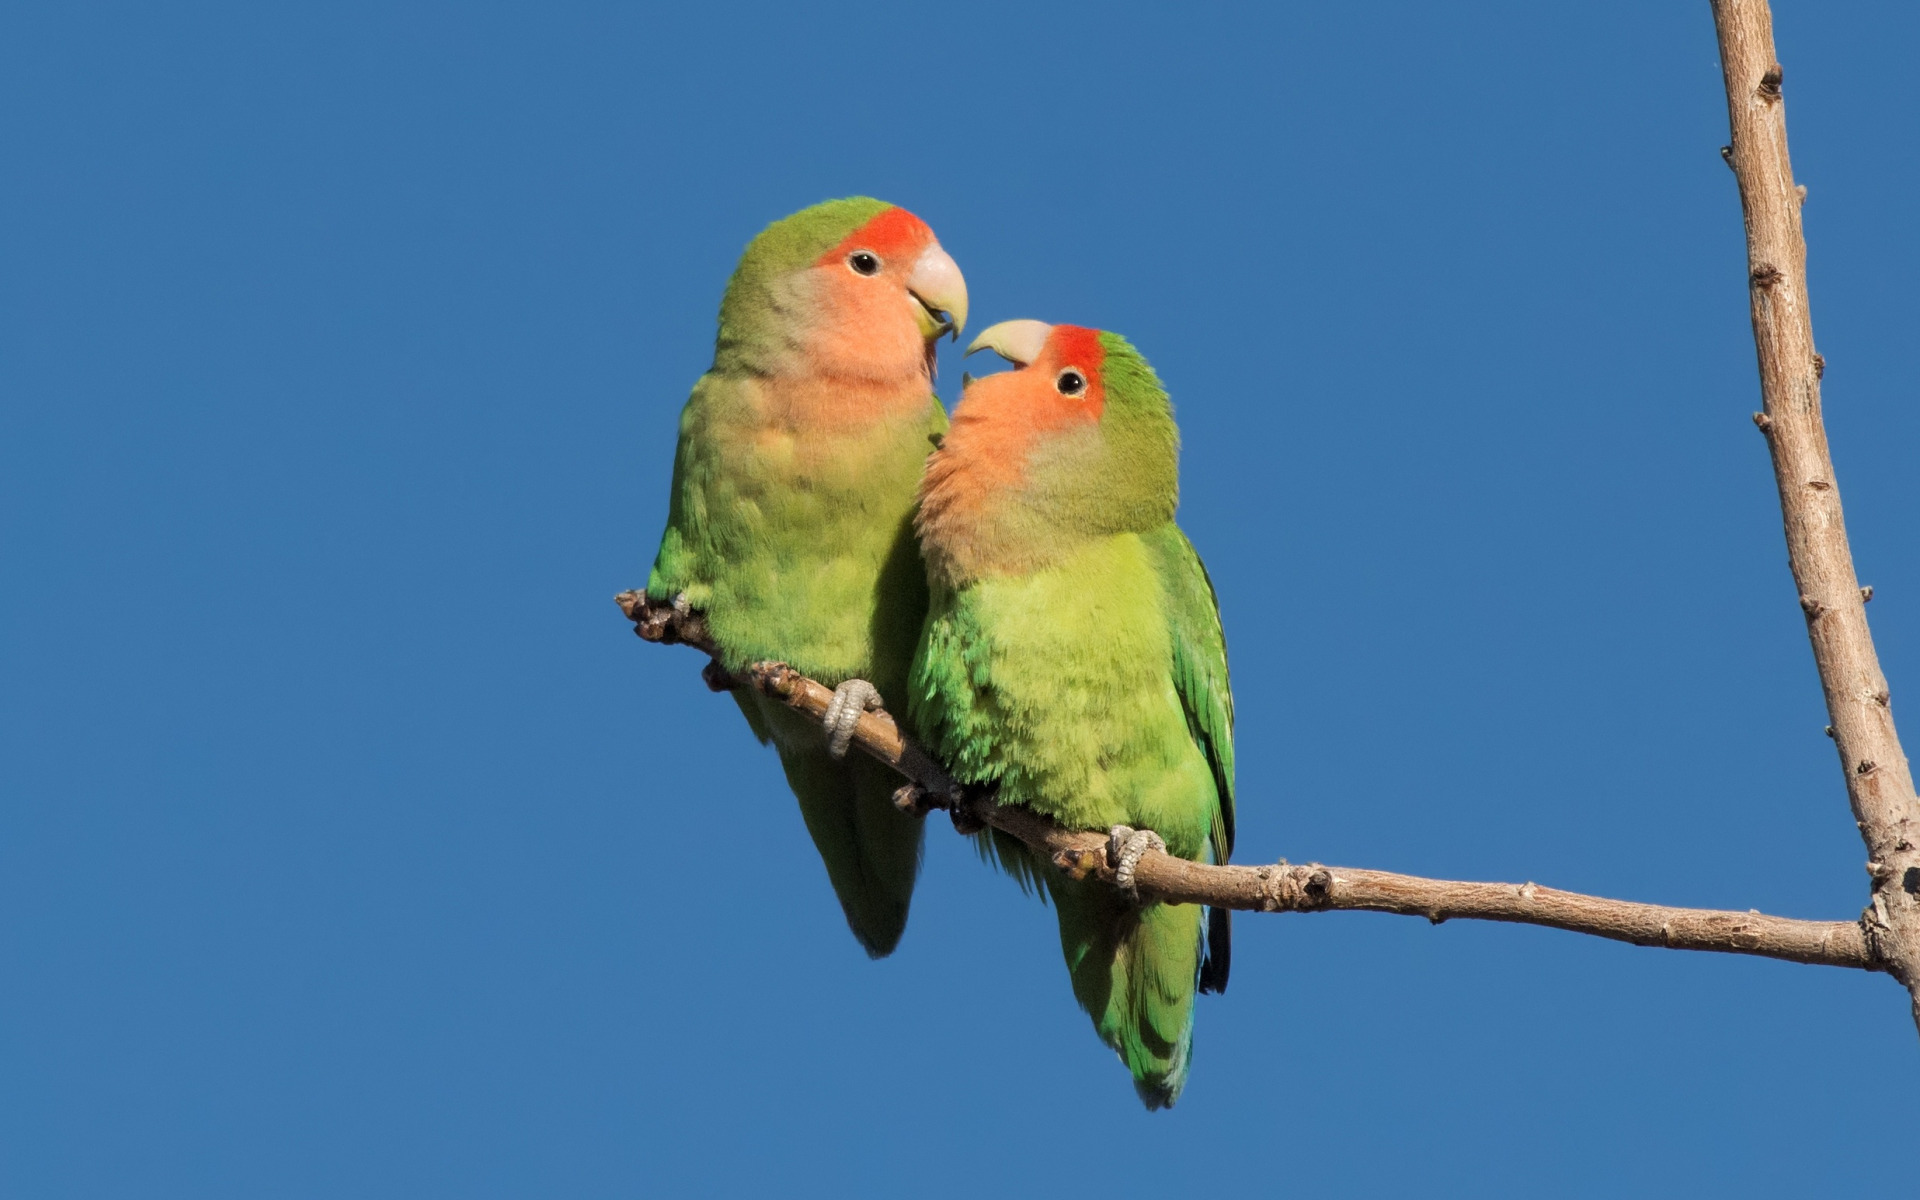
(718, 678)
(668, 624)
(1769, 89)
(965, 814)
(1829, 731)
(1819, 360)
(1726, 156)
(1866, 767)
(1763, 422)
(1813, 608)
(912, 799)
(1080, 864)
(1317, 888)
(1766, 275)
(1819, 485)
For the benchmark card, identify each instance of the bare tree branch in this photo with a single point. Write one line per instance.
(1879, 781)
(1278, 887)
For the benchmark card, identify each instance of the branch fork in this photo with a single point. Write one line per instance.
(1879, 781)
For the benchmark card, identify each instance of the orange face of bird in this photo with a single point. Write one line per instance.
(1000, 420)
(880, 299)
(1057, 387)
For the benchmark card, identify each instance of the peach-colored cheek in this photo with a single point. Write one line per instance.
(863, 326)
(990, 401)
(1003, 414)
(1051, 410)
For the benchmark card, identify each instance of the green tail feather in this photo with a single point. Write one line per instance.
(1133, 971)
(871, 849)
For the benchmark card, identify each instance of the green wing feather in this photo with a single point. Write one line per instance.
(1200, 677)
(1200, 666)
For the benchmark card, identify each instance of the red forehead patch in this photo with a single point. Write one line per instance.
(890, 234)
(1067, 346)
(1078, 346)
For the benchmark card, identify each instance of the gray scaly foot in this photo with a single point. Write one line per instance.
(1125, 845)
(850, 699)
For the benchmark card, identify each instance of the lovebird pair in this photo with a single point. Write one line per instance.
(1015, 586)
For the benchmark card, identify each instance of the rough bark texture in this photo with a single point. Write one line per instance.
(1281, 887)
(1879, 781)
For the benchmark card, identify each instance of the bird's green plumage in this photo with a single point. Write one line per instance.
(1089, 683)
(795, 538)
(797, 545)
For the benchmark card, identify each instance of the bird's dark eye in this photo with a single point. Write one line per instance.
(864, 262)
(1070, 382)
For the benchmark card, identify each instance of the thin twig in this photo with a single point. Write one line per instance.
(1879, 781)
(1281, 887)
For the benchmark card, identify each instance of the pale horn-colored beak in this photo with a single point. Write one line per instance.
(941, 292)
(1019, 342)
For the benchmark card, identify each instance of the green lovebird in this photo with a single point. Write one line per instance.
(791, 519)
(1073, 661)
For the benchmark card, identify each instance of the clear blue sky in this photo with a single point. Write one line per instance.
(351, 845)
